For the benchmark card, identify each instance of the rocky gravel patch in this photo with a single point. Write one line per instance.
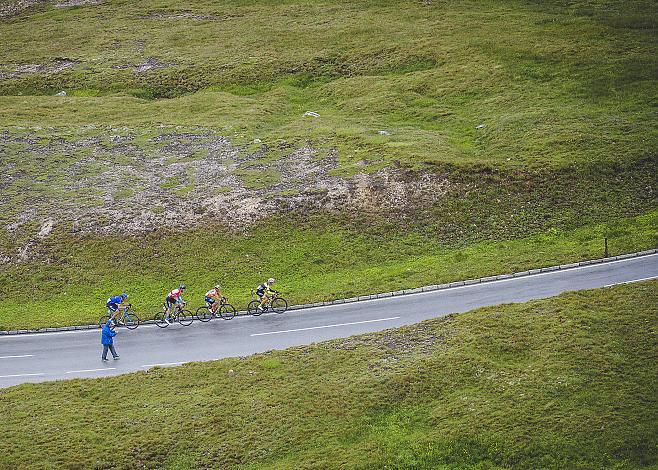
(185, 15)
(77, 3)
(151, 63)
(16, 7)
(118, 181)
(17, 70)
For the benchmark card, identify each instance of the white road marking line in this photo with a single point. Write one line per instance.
(89, 370)
(628, 282)
(324, 326)
(12, 357)
(21, 375)
(163, 364)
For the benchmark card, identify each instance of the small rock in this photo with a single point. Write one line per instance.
(384, 133)
(257, 141)
(46, 228)
(480, 126)
(61, 93)
(311, 114)
(75, 227)
(231, 372)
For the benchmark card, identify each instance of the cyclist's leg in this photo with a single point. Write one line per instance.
(168, 306)
(178, 308)
(112, 311)
(121, 313)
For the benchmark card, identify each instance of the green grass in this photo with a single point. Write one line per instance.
(316, 261)
(428, 73)
(567, 382)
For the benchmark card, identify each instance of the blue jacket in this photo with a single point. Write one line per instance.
(107, 334)
(117, 299)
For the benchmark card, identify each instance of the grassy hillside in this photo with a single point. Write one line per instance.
(442, 149)
(569, 81)
(567, 382)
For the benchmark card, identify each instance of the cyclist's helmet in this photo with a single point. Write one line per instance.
(182, 287)
(217, 286)
(271, 280)
(124, 295)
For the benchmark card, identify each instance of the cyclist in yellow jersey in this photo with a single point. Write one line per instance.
(265, 292)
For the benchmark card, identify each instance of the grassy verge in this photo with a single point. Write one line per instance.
(312, 263)
(567, 382)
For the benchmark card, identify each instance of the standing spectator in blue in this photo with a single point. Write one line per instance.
(115, 304)
(107, 340)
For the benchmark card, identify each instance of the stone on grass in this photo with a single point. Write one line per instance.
(384, 133)
(311, 114)
(61, 93)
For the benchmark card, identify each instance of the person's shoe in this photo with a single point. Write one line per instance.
(104, 359)
(116, 357)
(169, 321)
(260, 308)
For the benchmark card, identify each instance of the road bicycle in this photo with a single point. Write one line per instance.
(224, 310)
(126, 318)
(182, 316)
(276, 303)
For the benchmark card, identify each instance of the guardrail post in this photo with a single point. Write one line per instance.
(606, 254)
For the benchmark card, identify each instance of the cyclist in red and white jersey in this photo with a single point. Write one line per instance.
(174, 297)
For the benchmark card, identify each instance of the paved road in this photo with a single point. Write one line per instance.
(65, 355)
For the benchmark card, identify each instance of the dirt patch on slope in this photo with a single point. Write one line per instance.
(151, 63)
(186, 15)
(17, 70)
(114, 181)
(14, 8)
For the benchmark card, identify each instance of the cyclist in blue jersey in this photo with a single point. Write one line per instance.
(115, 304)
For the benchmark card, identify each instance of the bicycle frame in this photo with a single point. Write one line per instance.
(269, 298)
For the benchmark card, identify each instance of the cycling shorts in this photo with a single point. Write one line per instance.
(260, 293)
(112, 306)
(171, 301)
(210, 300)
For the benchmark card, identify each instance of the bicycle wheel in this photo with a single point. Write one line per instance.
(252, 308)
(185, 317)
(279, 305)
(202, 314)
(160, 320)
(131, 320)
(103, 320)
(227, 311)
